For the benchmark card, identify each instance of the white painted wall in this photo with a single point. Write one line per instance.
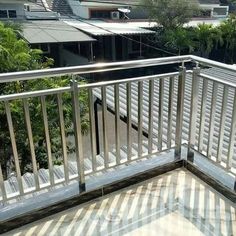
(78, 9)
(81, 9)
(215, 6)
(19, 8)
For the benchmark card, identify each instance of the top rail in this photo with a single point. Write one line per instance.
(92, 68)
(208, 62)
(113, 66)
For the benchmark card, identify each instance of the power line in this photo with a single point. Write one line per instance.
(121, 35)
(132, 4)
(137, 5)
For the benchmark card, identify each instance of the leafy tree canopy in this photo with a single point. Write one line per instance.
(16, 55)
(171, 13)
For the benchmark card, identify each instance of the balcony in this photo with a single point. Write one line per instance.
(164, 129)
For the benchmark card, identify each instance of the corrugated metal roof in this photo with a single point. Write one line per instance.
(215, 72)
(192, 23)
(136, 2)
(98, 27)
(47, 31)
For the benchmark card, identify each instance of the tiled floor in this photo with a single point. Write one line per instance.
(176, 203)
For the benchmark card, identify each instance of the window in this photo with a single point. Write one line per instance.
(220, 11)
(12, 13)
(8, 14)
(100, 14)
(3, 14)
(45, 47)
(136, 43)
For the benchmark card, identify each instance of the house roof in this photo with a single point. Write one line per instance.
(209, 1)
(215, 72)
(102, 28)
(115, 2)
(192, 23)
(136, 2)
(49, 31)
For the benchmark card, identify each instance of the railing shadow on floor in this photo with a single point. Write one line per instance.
(172, 201)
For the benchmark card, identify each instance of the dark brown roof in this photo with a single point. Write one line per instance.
(138, 1)
(131, 2)
(209, 1)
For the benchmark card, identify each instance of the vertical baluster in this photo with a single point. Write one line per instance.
(203, 114)
(78, 135)
(31, 142)
(193, 109)
(160, 113)
(129, 121)
(150, 124)
(104, 122)
(140, 118)
(222, 122)
(170, 110)
(180, 108)
(117, 122)
(212, 118)
(92, 129)
(14, 147)
(63, 136)
(47, 137)
(232, 134)
(2, 186)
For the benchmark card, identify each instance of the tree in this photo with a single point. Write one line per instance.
(16, 55)
(170, 13)
(207, 37)
(228, 29)
(179, 39)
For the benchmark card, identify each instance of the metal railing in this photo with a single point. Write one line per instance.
(159, 103)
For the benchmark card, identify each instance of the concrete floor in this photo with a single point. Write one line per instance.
(176, 203)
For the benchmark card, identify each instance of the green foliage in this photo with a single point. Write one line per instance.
(179, 39)
(228, 29)
(201, 40)
(171, 13)
(16, 55)
(206, 37)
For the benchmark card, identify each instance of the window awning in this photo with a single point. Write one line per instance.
(102, 28)
(46, 31)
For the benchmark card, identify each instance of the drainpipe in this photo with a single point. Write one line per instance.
(113, 48)
(91, 51)
(140, 46)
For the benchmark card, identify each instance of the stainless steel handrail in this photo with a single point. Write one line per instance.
(103, 67)
(54, 91)
(87, 69)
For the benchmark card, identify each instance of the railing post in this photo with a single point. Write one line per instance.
(96, 103)
(2, 186)
(180, 108)
(78, 135)
(193, 111)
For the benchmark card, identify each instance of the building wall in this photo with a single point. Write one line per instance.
(216, 10)
(71, 59)
(19, 8)
(79, 10)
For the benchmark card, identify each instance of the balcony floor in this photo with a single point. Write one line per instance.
(175, 203)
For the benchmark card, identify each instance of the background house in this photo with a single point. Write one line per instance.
(213, 8)
(22, 9)
(112, 9)
(60, 41)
